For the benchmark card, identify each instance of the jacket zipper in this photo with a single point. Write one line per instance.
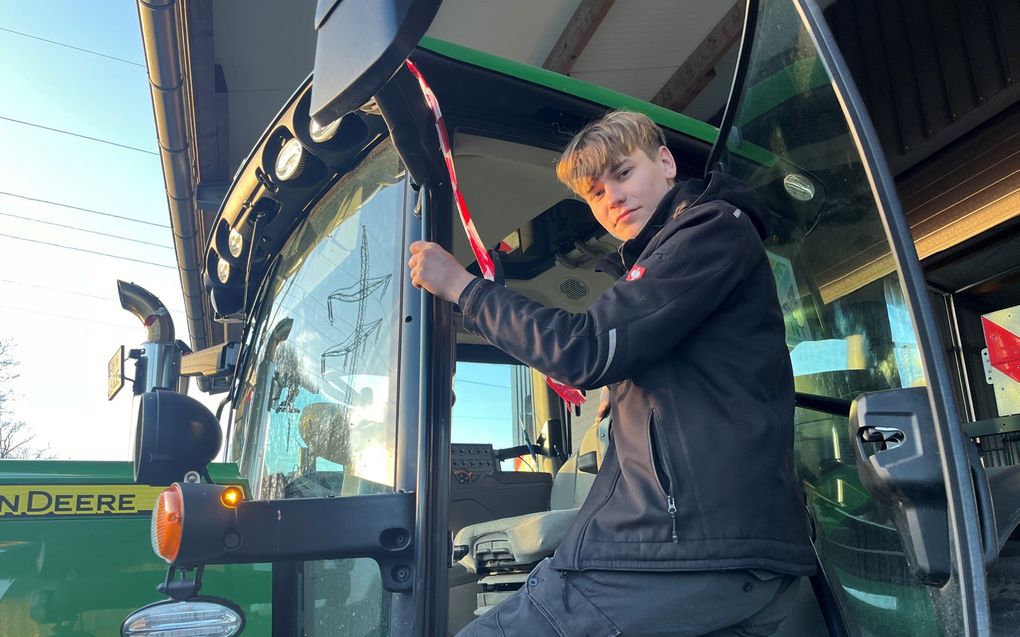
(663, 457)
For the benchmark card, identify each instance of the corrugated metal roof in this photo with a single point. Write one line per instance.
(929, 72)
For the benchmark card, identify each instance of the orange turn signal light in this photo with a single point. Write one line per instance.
(168, 523)
(231, 497)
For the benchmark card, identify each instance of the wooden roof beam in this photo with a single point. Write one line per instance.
(576, 35)
(697, 71)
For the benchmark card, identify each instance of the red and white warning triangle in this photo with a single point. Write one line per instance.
(1003, 348)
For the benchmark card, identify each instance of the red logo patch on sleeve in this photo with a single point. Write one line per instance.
(636, 273)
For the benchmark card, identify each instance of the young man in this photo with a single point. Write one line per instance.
(695, 524)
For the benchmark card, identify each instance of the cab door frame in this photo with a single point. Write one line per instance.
(963, 511)
(425, 389)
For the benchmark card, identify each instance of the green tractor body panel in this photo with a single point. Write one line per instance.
(75, 554)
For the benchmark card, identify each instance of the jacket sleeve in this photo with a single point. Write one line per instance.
(638, 319)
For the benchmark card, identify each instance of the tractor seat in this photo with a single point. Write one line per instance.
(504, 551)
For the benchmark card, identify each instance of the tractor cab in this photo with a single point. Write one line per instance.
(407, 475)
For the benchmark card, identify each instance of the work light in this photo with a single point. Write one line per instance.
(198, 617)
(235, 243)
(290, 161)
(325, 133)
(223, 271)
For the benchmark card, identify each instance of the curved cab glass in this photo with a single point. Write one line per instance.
(317, 409)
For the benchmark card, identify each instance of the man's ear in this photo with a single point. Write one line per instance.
(668, 164)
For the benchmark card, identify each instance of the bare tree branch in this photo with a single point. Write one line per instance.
(16, 437)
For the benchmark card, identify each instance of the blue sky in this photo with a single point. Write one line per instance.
(59, 305)
(483, 409)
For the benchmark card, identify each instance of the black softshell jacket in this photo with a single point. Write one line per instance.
(690, 339)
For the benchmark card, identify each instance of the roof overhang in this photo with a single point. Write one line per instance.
(241, 60)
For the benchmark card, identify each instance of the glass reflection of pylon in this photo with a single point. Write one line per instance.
(358, 292)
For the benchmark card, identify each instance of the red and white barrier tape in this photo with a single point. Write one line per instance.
(485, 264)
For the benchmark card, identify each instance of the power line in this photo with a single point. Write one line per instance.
(67, 132)
(75, 293)
(65, 316)
(478, 382)
(89, 210)
(102, 234)
(76, 48)
(102, 254)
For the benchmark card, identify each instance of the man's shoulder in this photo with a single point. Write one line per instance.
(700, 221)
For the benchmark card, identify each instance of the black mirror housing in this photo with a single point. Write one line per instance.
(175, 434)
(373, 38)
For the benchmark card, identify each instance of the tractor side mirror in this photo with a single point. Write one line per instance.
(175, 434)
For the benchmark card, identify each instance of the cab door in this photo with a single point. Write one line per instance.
(886, 471)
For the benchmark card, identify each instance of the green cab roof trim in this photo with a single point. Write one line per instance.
(598, 94)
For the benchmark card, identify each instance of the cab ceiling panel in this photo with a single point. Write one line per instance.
(929, 71)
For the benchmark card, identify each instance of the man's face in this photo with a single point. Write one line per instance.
(624, 197)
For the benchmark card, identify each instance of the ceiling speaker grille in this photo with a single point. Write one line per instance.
(574, 289)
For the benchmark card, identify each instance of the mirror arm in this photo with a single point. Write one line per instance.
(379, 526)
(212, 362)
(182, 588)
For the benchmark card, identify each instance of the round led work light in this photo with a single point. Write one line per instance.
(235, 243)
(320, 134)
(223, 271)
(290, 161)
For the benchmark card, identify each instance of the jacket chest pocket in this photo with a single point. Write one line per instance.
(662, 466)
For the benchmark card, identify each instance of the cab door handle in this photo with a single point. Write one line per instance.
(905, 475)
(888, 437)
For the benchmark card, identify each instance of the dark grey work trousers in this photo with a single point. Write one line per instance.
(610, 603)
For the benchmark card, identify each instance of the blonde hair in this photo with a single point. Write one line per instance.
(603, 143)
